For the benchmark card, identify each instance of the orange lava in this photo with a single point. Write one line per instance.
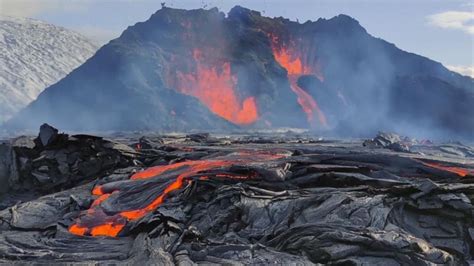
(108, 229)
(78, 230)
(462, 172)
(158, 170)
(111, 225)
(307, 102)
(215, 87)
(100, 199)
(97, 191)
(194, 168)
(291, 60)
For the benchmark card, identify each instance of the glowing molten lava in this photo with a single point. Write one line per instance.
(291, 60)
(96, 222)
(307, 102)
(462, 172)
(214, 86)
(288, 59)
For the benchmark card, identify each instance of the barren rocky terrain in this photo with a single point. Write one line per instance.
(236, 199)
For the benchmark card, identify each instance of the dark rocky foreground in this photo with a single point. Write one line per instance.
(240, 199)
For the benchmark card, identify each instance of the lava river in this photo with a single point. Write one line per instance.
(96, 221)
(460, 171)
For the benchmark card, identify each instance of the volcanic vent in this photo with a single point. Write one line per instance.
(201, 69)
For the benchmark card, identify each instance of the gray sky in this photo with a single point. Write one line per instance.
(442, 30)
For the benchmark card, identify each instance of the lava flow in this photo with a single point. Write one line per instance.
(291, 60)
(96, 222)
(306, 102)
(460, 171)
(215, 87)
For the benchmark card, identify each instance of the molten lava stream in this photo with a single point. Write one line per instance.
(462, 172)
(306, 102)
(96, 223)
(215, 87)
(295, 67)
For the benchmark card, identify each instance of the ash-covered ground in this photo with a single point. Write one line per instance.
(275, 198)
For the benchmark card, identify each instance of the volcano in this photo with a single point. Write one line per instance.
(202, 69)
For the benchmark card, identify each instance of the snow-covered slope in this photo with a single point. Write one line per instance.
(34, 55)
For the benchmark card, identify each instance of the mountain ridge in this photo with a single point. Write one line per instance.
(35, 55)
(349, 74)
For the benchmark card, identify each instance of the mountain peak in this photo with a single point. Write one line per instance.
(195, 69)
(35, 55)
(344, 23)
(239, 10)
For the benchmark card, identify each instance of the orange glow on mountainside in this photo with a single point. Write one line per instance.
(291, 60)
(215, 87)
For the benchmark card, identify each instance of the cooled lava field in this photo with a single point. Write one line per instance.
(273, 198)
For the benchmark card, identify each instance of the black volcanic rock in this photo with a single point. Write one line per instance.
(47, 135)
(227, 201)
(360, 83)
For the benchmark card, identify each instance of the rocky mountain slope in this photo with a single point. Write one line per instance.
(201, 69)
(33, 56)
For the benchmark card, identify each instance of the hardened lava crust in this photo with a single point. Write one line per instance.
(273, 198)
